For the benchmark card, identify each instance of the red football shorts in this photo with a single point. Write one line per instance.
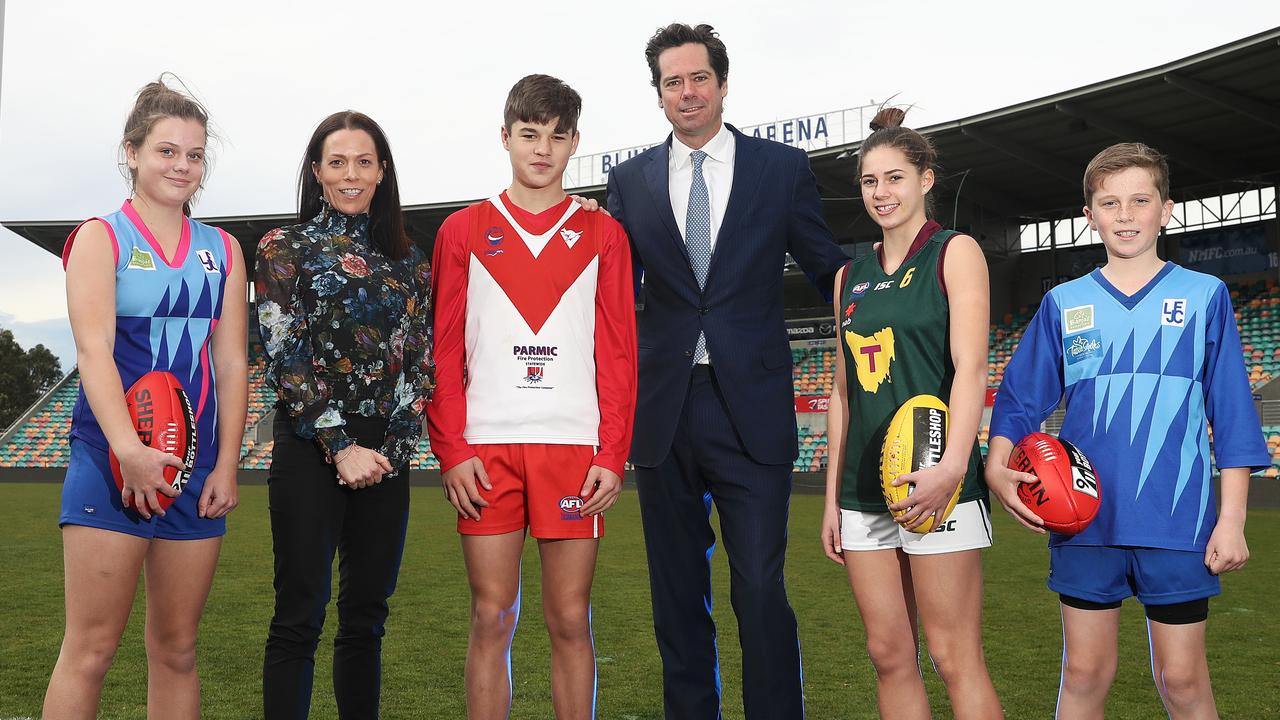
(535, 486)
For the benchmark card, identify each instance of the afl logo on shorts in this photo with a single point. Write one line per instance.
(571, 507)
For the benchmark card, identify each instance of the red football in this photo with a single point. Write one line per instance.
(162, 417)
(1066, 493)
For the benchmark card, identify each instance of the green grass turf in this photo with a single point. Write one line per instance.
(426, 635)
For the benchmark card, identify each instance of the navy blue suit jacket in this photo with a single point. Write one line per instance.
(773, 209)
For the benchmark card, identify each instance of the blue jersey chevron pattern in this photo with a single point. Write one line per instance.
(166, 312)
(1143, 377)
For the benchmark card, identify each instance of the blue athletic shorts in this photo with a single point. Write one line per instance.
(1104, 574)
(90, 498)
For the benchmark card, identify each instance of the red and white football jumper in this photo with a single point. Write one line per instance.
(535, 332)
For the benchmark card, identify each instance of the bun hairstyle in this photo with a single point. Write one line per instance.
(888, 117)
(157, 101)
(887, 131)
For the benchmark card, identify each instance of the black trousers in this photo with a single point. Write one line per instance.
(708, 463)
(311, 518)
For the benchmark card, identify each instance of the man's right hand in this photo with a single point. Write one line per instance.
(461, 487)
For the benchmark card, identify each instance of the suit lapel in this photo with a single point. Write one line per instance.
(658, 177)
(747, 164)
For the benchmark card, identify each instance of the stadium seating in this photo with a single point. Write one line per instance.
(813, 452)
(42, 440)
(812, 369)
(1005, 335)
(1272, 433)
(1257, 307)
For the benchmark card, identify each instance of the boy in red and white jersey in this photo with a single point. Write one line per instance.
(535, 348)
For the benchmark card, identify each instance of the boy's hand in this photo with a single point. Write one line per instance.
(460, 487)
(590, 205)
(600, 490)
(831, 533)
(1227, 550)
(1003, 482)
(934, 486)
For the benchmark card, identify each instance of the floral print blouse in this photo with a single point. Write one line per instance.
(346, 330)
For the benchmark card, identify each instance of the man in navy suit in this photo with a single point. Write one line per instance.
(711, 214)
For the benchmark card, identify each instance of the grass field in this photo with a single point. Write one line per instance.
(426, 636)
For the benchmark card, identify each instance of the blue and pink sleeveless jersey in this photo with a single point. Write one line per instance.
(166, 312)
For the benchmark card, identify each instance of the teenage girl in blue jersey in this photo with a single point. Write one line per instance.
(149, 289)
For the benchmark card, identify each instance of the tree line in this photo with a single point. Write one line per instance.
(25, 375)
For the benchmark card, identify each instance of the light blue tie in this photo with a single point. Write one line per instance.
(697, 235)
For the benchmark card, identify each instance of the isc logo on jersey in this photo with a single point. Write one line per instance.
(872, 356)
(571, 507)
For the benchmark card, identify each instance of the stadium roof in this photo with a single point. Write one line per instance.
(1216, 115)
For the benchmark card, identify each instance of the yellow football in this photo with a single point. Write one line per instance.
(915, 439)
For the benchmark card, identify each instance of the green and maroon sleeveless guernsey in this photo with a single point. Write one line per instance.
(894, 331)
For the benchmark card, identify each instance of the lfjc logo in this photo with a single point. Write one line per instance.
(1174, 312)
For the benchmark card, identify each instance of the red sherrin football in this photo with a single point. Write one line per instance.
(161, 414)
(1066, 494)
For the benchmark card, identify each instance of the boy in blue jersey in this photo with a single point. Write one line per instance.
(1147, 355)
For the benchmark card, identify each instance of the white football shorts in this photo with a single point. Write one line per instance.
(967, 528)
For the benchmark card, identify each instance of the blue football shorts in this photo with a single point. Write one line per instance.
(1105, 574)
(90, 498)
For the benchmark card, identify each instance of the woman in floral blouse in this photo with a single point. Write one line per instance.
(344, 306)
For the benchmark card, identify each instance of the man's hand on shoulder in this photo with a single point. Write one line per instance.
(590, 205)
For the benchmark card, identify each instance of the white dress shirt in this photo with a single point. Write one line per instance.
(717, 172)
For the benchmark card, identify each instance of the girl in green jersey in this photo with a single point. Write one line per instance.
(910, 324)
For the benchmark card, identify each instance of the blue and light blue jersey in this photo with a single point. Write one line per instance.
(166, 312)
(1144, 376)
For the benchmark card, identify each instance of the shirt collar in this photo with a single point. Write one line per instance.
(718, 148)
(333, 222)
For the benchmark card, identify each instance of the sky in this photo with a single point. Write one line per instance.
(435, 76)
